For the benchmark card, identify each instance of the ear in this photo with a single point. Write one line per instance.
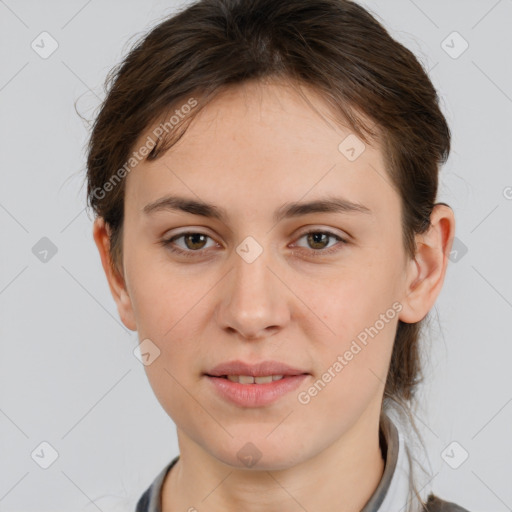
(116, 281)
(427, 270)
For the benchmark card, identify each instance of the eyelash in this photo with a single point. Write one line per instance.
(315, 253)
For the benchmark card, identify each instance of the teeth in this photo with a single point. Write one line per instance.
(249, 379)
(263, 380)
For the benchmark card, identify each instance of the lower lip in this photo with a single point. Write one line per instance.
(255, 395)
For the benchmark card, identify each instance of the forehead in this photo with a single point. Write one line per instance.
(257, 144)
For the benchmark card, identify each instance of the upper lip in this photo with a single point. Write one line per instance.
(255, 370)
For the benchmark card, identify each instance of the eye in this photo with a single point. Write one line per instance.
(319, 240)
(194, 243)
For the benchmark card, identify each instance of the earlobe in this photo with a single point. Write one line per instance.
(427, 270)
(116, 281)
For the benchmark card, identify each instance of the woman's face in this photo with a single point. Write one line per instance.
(251, 285)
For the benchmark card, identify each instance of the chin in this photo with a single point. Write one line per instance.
(261, 456)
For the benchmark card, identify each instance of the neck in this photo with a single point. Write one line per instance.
(341, 477)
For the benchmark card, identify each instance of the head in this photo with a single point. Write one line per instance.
(243, 109)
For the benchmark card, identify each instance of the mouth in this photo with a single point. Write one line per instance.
(240, 371)
(256, 385)
(249, 379)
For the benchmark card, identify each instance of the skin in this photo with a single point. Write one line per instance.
(254, 148)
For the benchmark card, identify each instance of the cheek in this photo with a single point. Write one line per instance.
(160, 295)
(352, 372)
(357, 317)
(171, 311)
(172, 392)
(353, 300)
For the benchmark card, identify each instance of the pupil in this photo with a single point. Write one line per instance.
(194, 237)
(314, 236)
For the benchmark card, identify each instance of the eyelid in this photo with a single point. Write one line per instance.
(313, 228)
(341, 241)
(167, 241)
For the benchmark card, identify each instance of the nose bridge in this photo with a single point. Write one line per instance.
(253, 301)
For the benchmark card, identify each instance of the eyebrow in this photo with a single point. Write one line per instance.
(287, 210)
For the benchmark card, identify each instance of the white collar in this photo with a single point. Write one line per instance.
(395, 490)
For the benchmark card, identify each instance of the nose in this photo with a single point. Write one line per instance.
(254, 301)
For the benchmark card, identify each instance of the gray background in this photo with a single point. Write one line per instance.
(68, 373)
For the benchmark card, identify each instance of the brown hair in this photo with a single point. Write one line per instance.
(370, 81)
